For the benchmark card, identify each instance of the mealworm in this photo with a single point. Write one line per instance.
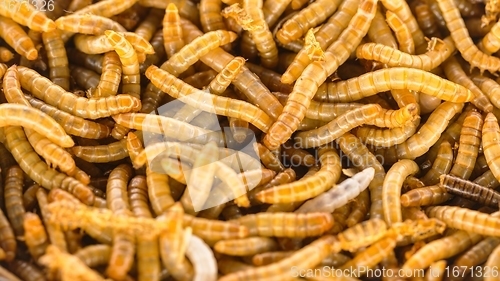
(286, 224)
(316, 251)
(173, 244)
(359, 154)
(27, 15)
(34, 235)
(309, 187)
(55, 234)
(338, 126)
(8, 241)
(402, 32)
(327, 34)
(399, 78)
(78, 106)
(29, 197)
(387, 137)
(465, 219)
(491, 133)
(362, 234)
(396, 118)
(379, 31)
(462, 40)
(226, 76)
(402, 11)
(442, 164)
(475, 256)
(148, 262)
(469, 190)
(85, 78)
(210, 15)
(391, 189)
(13, 192)
(73, 125)
(246, 247)
(5, 55)
(307, 18)
(130, 64)
(246, 82)
(371, 256)
(269, 160)
(270, 257)
(200, 181)
(429, 133)
(214, 104)
(491, 41)
(102, 153)
(94, 255)
(470, 139)
(69, 266)
(340, 194)
(158, 191)
(199, 47)
(393, 57)
(54, 155)
(26, 270)
(39, 171)
(424, 196)
(202, 258)
(441, 249)
(57, 58)
(316, 73)
(15, 36)
(88, 24)
(489, 87)
(455, 73)
(110, 77)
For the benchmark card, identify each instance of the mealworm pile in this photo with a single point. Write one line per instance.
(249, 140)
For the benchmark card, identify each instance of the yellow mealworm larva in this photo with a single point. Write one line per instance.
(327, 34)
(246, 246)
(214, 104)
(470, 139)
(391, 201)
(110, 77)
(393, 79)
(102, 153)
(442, 164)
(34, 235)
(394, 57)
(340, 194)
(310, 187)
(173, 244)
(192, 52)
(26, 14)
(402, 11)
(82, 107)
(13, 191)
(70, 267)
(73, 125)
(316, 73)
(287, 224)
(380, 32)
(226, 76)
(202, 258)
(88, 24)
(17, 38)
(210, 15)
(269, 160)
(402, 32)
(465, 219)
(491, 134)
(57, 58)
(429, 195)
(130, 64)
(362, 234)
(462, 40)
(316, 251)
(309, 17)
(201, 179)
(338, 126)
(55, 234)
